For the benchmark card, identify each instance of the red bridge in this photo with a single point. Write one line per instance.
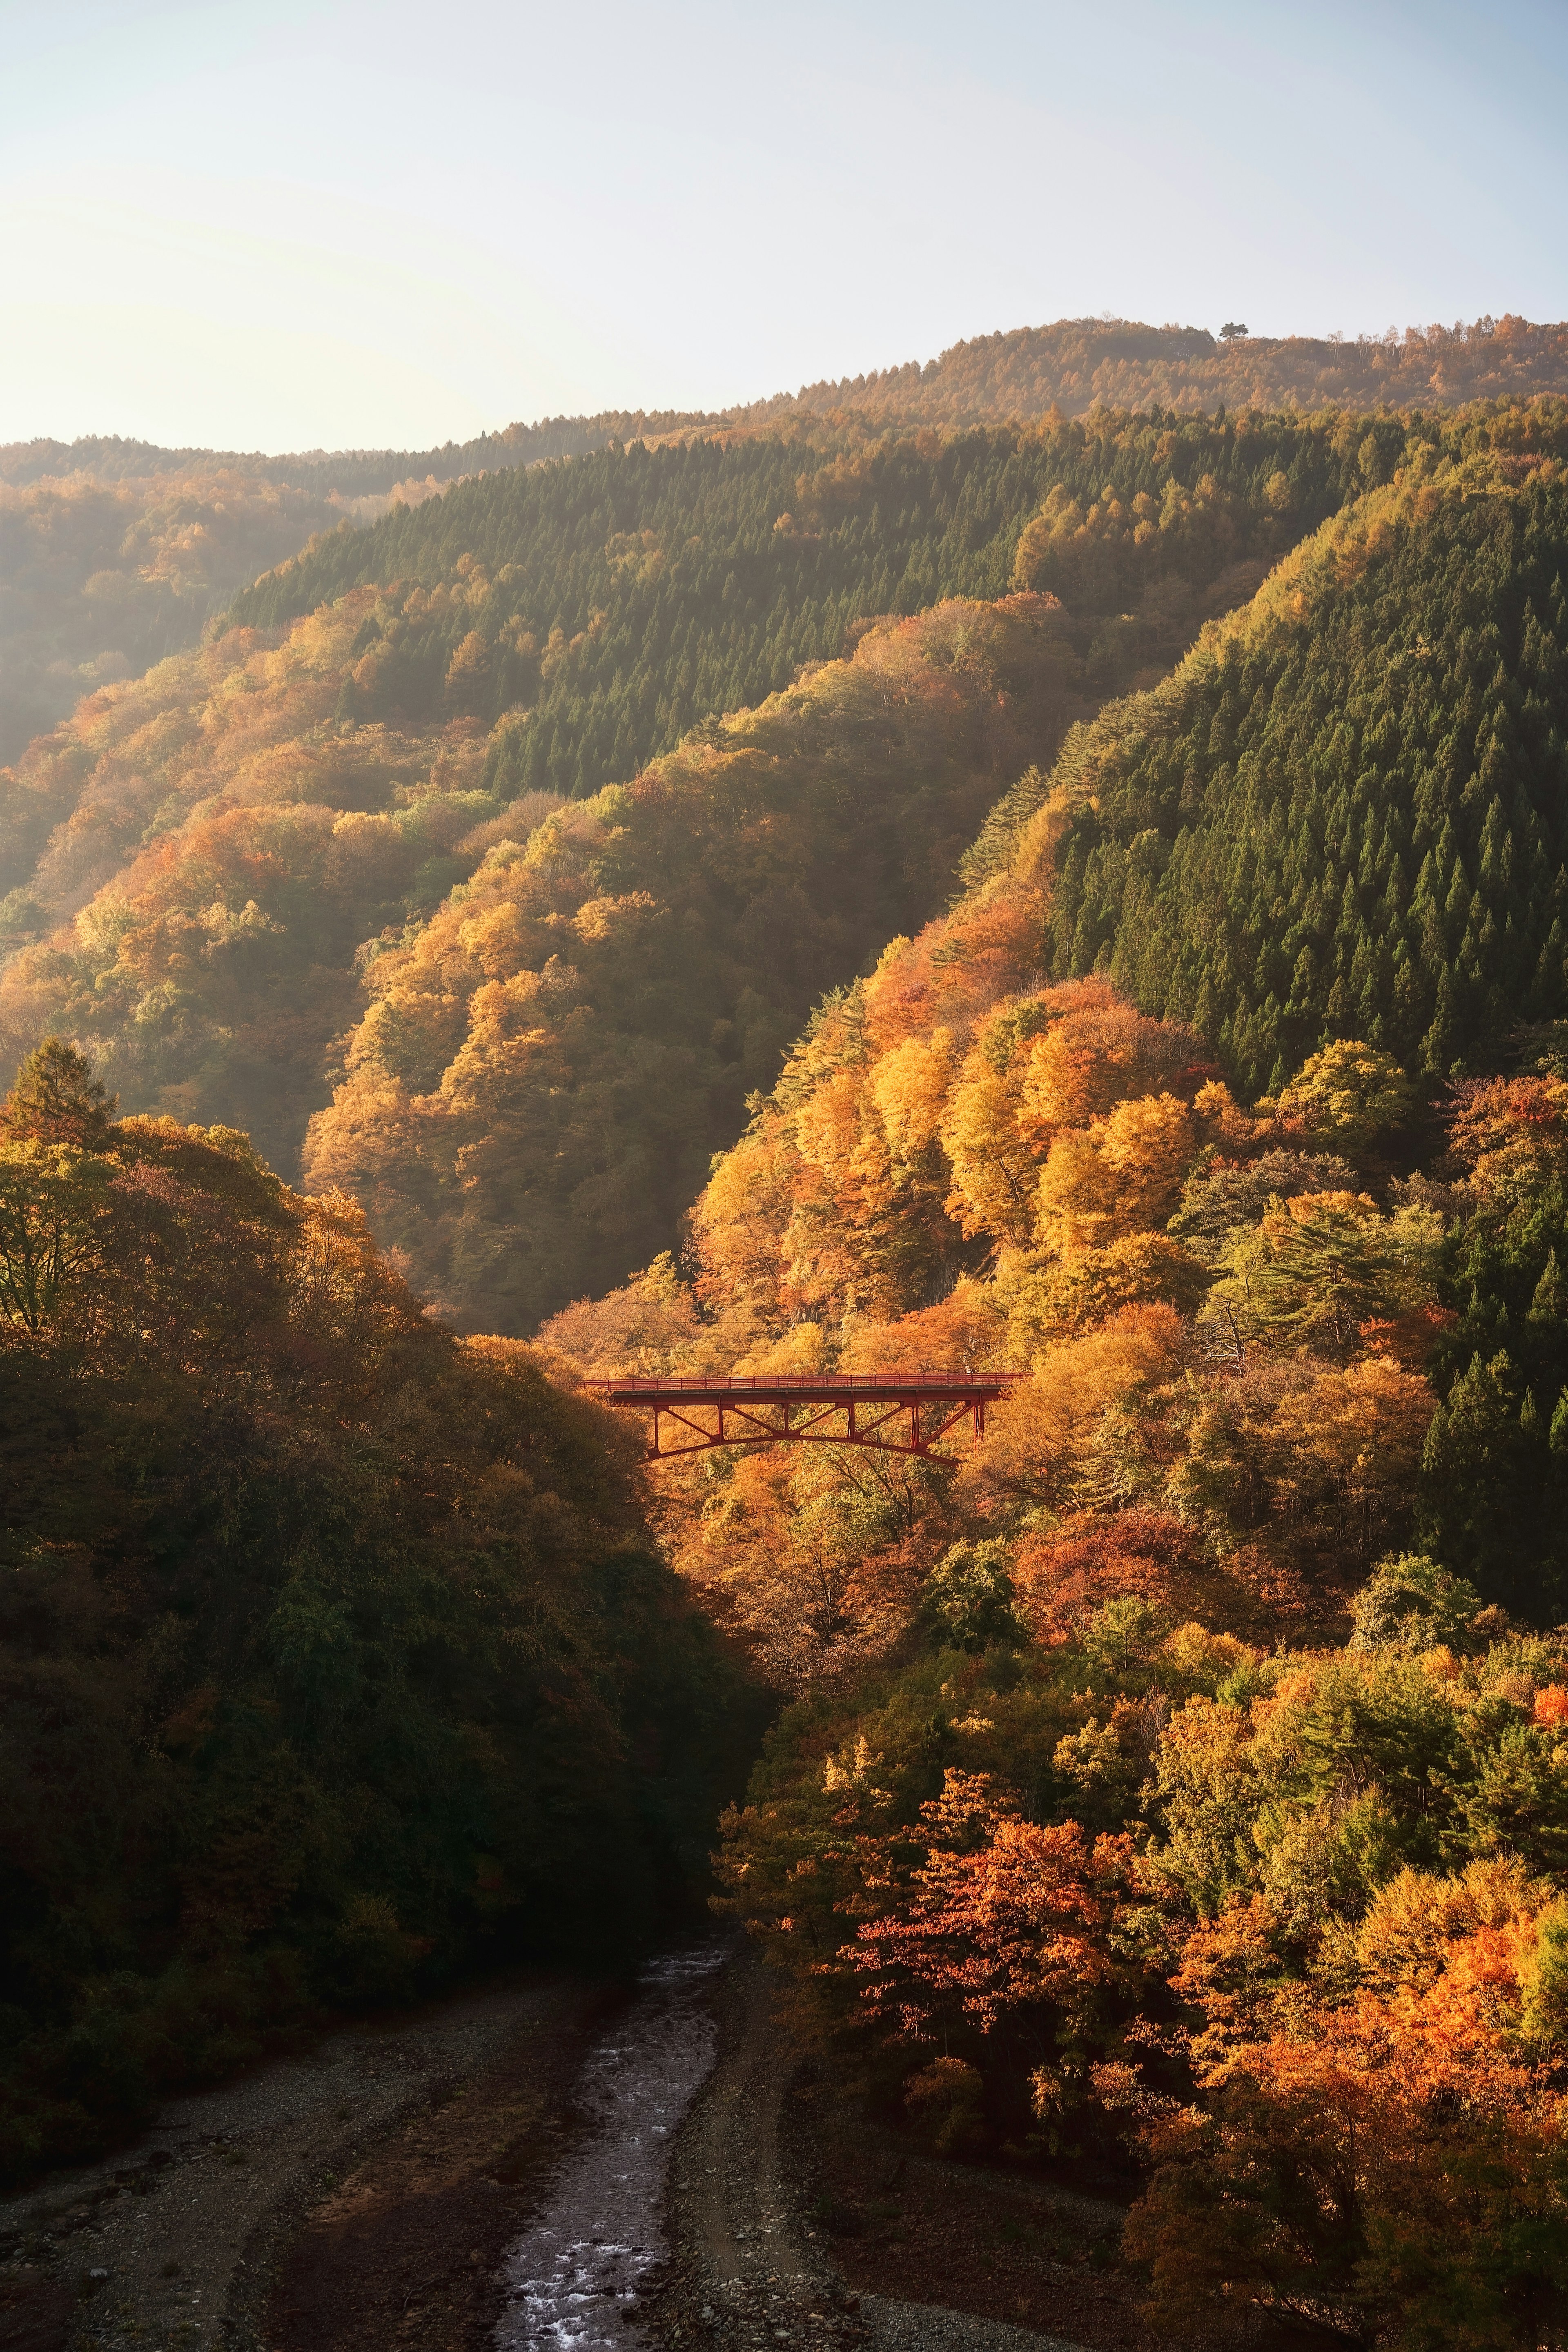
(810, 1408)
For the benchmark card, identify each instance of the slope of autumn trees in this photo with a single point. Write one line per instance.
(621, 598)
(114, 554)
(1176, 1779)
(1075, 364)
(1090, 1834)
(335, 1651)
(99, 578)
(207, 867)
(548, 1065)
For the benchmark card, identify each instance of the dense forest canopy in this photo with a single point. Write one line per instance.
(1347, 813)
(623, 597)
(98, 580)
(272, 849)
(113, 551)
(547, 1065)
(335, 1652)
(234, 842)
(114, 554)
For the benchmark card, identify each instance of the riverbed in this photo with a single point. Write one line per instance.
(574, 2278)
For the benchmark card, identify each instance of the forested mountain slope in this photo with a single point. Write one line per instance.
(99, 578)
(547, 1065)
(979, 1153)
(114, 554)
(257, 837)
(83, 601)
(1347, 813)
(1177, 1775)
(623, 597)
(221, 839)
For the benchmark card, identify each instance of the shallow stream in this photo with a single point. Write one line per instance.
(573, 2276)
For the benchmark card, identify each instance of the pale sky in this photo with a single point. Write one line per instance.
(334, 223)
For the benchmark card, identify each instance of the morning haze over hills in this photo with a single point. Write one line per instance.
(1055, 858)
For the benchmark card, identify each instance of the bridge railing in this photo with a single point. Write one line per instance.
(809, 1383)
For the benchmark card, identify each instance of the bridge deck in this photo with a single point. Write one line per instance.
(862, 1409)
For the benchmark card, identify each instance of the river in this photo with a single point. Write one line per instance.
(573, 2277)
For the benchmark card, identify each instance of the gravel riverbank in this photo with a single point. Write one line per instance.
(544, 2164)
(359, 2194)
(750, 2266)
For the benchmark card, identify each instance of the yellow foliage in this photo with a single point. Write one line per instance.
(1361, 1431)
(1065, 1297)
(909, 1086)
(993, 1167)
(1347, 1095)
(1036, 1441)
(495, 939)
(828, 1127)
(1120, 1175)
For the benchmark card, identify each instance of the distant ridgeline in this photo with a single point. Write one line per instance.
(1075, 364)
(114, 554)
(1346, 814)
(109, 459)
(1071, 365)
(619, 600)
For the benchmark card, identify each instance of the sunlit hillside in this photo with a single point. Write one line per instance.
(1176, 1784)
(211, 870)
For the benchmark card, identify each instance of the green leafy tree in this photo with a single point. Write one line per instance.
(967, 1601)
(53, 1214)
(54, 1098)
(1408, 1599)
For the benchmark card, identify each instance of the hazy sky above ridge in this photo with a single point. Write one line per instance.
(346, 225)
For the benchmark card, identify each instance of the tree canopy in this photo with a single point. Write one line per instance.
(336, 1652)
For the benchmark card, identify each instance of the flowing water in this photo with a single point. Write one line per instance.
(574, 2275)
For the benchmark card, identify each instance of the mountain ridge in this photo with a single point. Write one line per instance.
(1017, 373)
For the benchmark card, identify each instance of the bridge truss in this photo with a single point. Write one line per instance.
(891, 1413)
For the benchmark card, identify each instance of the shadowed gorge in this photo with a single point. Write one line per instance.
(336, 1652)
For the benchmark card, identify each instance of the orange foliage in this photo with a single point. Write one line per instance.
(962, 1333)
(1000, 1914)
(1063, 1576)
(1396, 2156)
(1512, 1131)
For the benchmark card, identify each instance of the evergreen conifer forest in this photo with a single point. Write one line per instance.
(939, 871)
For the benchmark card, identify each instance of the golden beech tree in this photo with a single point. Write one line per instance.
(994, 1167)
(1038, 1439)
(1120, 1175)
(909, 1086)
